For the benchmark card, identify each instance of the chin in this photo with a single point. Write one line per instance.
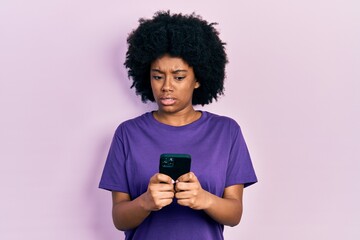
(168, 109)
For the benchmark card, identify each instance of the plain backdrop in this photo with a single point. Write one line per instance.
(293, 84)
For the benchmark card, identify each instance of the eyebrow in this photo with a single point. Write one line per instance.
(174, 72)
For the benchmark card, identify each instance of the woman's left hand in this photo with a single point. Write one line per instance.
(190, 193)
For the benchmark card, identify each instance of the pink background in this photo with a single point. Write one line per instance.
(293, 84)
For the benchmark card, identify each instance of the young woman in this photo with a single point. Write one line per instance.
(178, 61)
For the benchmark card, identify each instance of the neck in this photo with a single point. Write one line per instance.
(177, 119)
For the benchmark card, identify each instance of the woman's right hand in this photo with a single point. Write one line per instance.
(160, 192)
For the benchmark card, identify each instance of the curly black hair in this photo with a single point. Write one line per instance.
(189, 37)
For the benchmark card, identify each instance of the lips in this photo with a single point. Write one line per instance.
(167, 101)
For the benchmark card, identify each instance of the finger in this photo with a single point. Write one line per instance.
(185, 202)
(159, 204)
(182, 195)
(166, 195)
(183, 186)
(187, 177)
(157, 196)
(161, 187)
(161, 178)
(165, 202)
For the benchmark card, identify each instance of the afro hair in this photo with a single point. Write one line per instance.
(189, 37)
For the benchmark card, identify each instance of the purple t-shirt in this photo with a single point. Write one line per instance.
(220, 159)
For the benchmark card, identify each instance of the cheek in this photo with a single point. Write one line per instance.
(155, 89)
(153, 86)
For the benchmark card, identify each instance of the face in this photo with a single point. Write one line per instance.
(173, 83)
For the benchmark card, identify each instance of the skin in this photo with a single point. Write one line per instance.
(173, 83)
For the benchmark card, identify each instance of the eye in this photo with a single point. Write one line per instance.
(155, 77)
(179, 78)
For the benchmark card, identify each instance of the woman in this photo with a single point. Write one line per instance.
(178, 61)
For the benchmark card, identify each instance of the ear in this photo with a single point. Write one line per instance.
(197, 84)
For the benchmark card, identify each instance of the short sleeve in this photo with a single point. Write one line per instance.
(114, 176)
(240, 168)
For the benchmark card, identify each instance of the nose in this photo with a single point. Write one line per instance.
(167, 85)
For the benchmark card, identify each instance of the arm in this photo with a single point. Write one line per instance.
(128, 214)
(226, 210)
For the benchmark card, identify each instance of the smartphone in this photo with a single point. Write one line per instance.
(174, 165)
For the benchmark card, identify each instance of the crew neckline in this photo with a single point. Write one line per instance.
(195, 123)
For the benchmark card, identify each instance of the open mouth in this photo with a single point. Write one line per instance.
(167, 101)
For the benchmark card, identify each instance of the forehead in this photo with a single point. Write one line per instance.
(167, 62)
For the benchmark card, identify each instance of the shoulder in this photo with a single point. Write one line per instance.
(224, 125)
(222, 120)
(134, 123)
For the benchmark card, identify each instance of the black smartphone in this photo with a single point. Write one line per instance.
(174, 165)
